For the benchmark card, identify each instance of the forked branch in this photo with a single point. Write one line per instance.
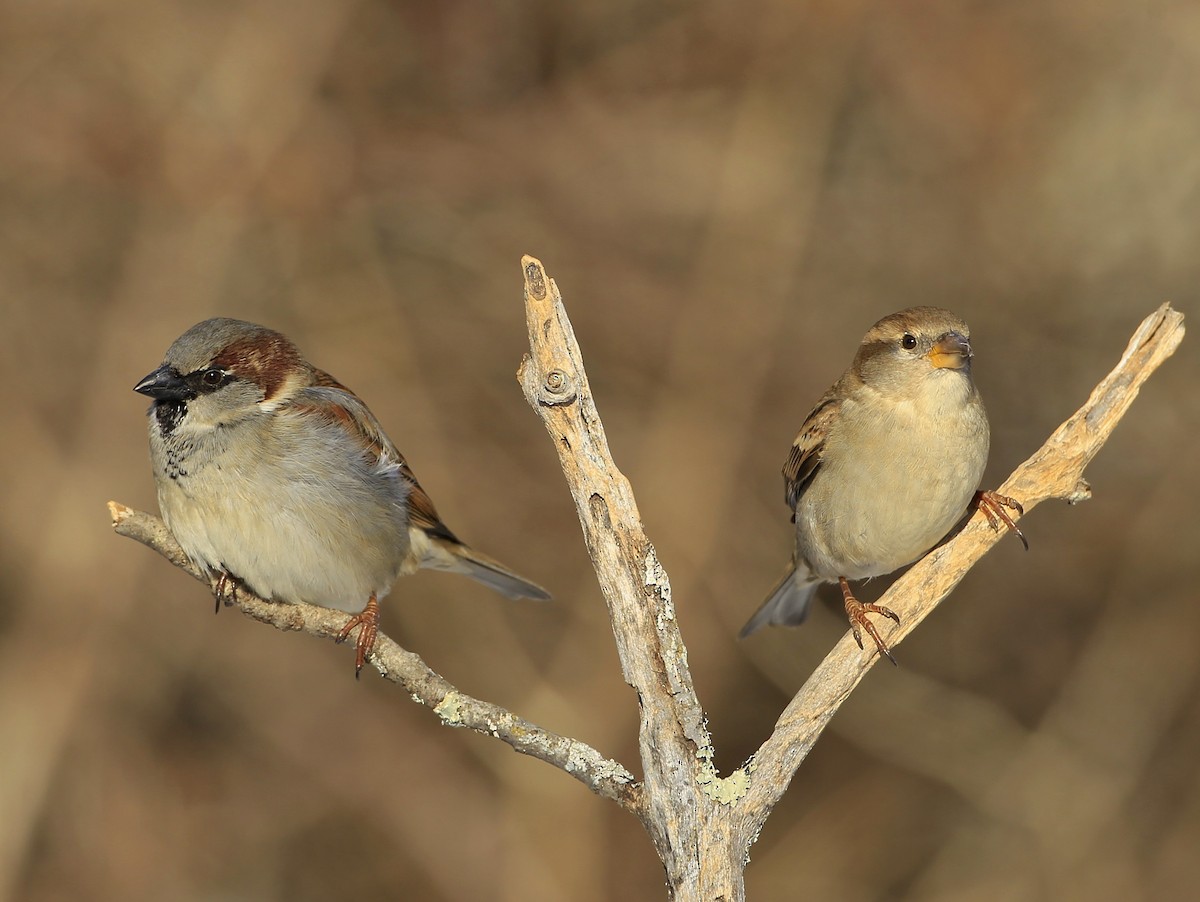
(702, 825)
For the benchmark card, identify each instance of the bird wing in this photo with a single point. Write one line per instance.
(332, 399)
(805, 455)
(433, 544)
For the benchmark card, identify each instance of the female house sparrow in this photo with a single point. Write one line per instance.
(274, 475)
(884, 466)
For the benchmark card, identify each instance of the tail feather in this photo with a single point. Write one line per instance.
(495, 575)
(787, 605)
(454, 557)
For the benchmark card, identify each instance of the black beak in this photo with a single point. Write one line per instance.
(165, 384)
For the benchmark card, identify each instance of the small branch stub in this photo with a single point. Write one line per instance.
(557, 386)
(556, 382)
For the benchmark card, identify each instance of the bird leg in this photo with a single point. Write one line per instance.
(857, 612)
(368, 621)
(225, 590)
(993, 505)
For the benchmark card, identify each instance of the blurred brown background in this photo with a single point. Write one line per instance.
(728, 194)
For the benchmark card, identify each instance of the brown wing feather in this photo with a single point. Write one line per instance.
(422, 513)
(805, 455)
(330, 398)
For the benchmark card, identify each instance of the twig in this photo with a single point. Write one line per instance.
(603, 776)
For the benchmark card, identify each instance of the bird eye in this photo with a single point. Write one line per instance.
(908, 342)
(213, 376)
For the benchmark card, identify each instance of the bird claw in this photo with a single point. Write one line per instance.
(992, 504)
(225, 590)
(368, 623)
(857, 612)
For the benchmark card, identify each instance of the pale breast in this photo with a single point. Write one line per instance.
(891, 484)
(304, 517)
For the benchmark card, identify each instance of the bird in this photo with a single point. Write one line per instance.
(885, 465)
(275, 477)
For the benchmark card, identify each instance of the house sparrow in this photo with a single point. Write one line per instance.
(273, 475)
(884, 466)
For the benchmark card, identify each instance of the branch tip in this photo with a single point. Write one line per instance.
(118, 512)
(535, 277)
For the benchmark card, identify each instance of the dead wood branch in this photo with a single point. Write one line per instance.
(602, 775)
(702, 825)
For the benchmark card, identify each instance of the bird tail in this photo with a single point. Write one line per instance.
(787, 605)
(436, 553)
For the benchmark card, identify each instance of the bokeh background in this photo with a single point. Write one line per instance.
(728, 195)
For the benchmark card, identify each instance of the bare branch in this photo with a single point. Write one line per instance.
(603, 776)
(702, 825)
(1054, 471)
(683, 792)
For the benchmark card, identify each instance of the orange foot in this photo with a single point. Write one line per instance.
(368, 620)
(993, 505)
(857, 612)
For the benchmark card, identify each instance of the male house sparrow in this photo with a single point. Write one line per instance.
(887, 462)
(274, 475)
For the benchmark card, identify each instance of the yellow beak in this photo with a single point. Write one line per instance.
(950, 351)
